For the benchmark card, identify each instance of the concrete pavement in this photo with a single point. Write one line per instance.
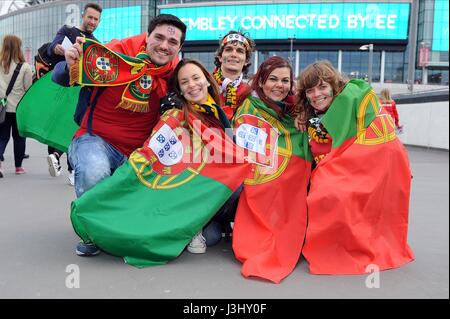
(38, 258)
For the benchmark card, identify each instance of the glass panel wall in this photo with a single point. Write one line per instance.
(206, 58)
(263, 55)
(355, 64)
(394, 67)
(308, 57)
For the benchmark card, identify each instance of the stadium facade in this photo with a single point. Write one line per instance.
(301, 31)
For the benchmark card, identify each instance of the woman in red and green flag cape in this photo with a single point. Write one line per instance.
(270, 223)
(359, 195)
(152, 206)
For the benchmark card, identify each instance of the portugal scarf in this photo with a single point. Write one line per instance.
(229, 87)
(212, 109)
(319, 139)
(100, 66)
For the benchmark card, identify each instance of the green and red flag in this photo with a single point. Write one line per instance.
(359, 196)
(271, 217)
(153, 205)
(46, 111)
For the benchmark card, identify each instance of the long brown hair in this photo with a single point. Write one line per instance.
(213, 90)
(261, 76)
(314, 74)
(11, 51)
(386, 95)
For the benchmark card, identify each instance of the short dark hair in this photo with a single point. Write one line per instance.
(94, 6)
(168, 19)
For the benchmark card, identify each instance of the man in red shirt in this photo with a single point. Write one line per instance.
(115, 128)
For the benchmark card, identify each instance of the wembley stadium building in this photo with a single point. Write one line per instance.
(394, 34)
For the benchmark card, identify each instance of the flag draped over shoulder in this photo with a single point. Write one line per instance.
(153, 205)
(359, 197)
(271, 217)
(46, 111)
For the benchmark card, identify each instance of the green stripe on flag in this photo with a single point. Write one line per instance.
(146, 226)
(341, 118)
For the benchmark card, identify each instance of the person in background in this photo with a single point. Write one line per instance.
(232, 62)
(55, 51)
(389, 105)
(12, 60)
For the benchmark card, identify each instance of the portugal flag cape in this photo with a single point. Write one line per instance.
(359, 197)
(46, 111)
(271, 218)
(153, 205)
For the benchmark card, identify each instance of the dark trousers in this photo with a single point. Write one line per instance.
(52, 150)
(227, 212)
(10, 124)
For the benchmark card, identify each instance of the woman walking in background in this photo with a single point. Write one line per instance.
(13, 62)
(389, 105)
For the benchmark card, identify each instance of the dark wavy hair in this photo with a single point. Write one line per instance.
(94, 6)
(248, 53)
(261, 76)
(312, 75)
(213, 90)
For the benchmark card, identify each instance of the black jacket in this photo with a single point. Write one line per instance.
(71, 33)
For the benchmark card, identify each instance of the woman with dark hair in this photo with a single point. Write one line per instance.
(270, 221)
(157, 203)
(13, 62)
(198, 93)
(359, 195)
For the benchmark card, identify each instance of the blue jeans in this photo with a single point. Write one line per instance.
(92, 159)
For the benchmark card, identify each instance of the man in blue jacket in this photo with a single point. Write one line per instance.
(55, 51)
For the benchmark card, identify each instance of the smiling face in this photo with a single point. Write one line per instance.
(278, 84)
(163, 44)
(90, 20)
(233, 57)
(320, 96)
(193, 83)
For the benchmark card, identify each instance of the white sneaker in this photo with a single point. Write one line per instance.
(197, 244)
(71, 178)
(53, 165)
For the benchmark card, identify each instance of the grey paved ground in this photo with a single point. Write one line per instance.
(37, 244)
